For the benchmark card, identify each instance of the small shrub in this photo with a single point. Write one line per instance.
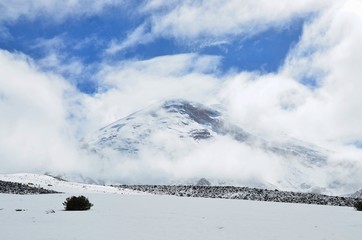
(74, 203)
(358, 205)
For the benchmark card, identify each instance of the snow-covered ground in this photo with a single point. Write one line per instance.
(130, 215)
(52, 183)
(116, 216)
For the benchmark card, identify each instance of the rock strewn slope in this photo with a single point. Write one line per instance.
(18, 188)
(245, 193)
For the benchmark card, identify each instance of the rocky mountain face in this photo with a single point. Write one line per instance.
(176, 129)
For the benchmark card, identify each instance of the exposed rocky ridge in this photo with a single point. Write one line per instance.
(244, 193)
(19, 188)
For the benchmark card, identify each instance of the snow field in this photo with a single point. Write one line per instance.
(117, 216)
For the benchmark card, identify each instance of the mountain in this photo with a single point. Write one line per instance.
(193, 141)
(191, 122)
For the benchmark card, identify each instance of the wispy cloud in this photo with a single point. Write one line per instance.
(4, 34)
(56, 43)
(205, 19)
(56, 55)
(139, 36)
(212, 23)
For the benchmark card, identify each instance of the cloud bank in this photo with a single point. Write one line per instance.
(36, 126)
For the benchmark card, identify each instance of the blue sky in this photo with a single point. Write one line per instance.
(86, 38)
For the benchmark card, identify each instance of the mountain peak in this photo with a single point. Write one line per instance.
(191, 122)
(176, 129)
(179, 118)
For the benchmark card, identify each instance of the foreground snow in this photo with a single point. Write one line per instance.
(116, 216)
(126, 214)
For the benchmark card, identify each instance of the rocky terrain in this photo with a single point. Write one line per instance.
(244, 193)
(204, 190)
(18, 188)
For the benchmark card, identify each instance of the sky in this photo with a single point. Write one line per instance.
(71, 67)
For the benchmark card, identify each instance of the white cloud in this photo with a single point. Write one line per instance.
(56, 57)
(337, 42)
(212, 22)
(138, 36)
(133, 85)
(330, 52)
(215, 19)
(35, 124)
(260, 101)
(61, 64)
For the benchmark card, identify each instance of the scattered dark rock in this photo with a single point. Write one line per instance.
(200, 134)
(20, 210)
(50, 211)
(245, 193)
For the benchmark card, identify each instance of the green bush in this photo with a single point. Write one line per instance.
(74, 203)
(358, 205)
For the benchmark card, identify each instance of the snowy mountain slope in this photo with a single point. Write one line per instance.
(177, 141)
(192, 123)
(164, 217)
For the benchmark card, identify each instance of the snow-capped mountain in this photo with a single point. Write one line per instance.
(193, 123)
(182, 132)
